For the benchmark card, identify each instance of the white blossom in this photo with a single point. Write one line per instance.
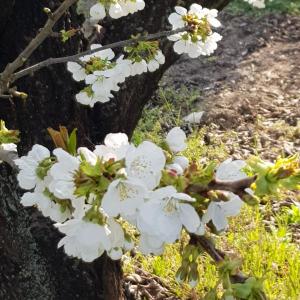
(165, 213)
(106, 54)
(80, 207)
(138, 67)
(78, 72)
(116, 9)
(102, 77)
(176, 19)
(182, 161)
(124, 197)
(8, 153)
(175, 168)
(257, 3)
(91, 99)
(194, 44)
(63, 174)
(11, 147)
(115, 147)
(179, 165)
(159, 59)
(151, 244)
(194, 117)
(145, 163)
(84, 240)
(210, 45)
(231, 170)
(46, 205)
(97, 12)
(176, 139)
(218, 212)
(117, 239)
(88, 155)
(28, 177)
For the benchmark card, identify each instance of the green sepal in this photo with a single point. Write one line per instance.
(8, 136)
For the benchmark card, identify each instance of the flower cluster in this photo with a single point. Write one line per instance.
(144, 57)
(199, 39)
(102, 75)
(115, 8)
(95, 195)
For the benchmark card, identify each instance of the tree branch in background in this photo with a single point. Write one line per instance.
(6, 75)
(58, 60)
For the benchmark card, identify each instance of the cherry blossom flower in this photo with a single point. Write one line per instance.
(90, 98)
(115, 147)
(218, 212)
(84, 240)
(97, 12)
(145, 163)
(199, 41)
(159, 59)
(78, 72)
(138, 67)
(150, 244)
(28, 176)
(46, 205)
(117, 239)
(176, 139)
(124, 197)
(165, 213)
(8, 153)
(194, 117)
(257, 3)
(63, 174)
(124, 7)
(116, 9)
(175, 168)
(231, 170)
(182, 161)
(101, 74)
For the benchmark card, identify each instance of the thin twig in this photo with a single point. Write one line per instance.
(58, 60)
(6, 75)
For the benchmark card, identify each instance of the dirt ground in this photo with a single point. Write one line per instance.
(251, 85)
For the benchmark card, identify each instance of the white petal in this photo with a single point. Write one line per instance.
(194, 118)
(189, 217)
(176, 139)
(97, 12)
(181, 10)
(231, 170)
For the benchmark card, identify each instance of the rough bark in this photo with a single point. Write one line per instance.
(30, 265)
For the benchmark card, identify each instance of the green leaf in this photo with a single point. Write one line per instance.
(241, 290)
(8, 136)
(72, 142)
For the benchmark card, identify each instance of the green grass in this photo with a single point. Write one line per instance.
(166, 111)
(265, 252)
(274, 6)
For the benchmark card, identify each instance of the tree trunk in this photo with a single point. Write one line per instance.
(30, 265)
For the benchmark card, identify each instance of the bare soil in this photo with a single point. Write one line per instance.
(251, 85)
